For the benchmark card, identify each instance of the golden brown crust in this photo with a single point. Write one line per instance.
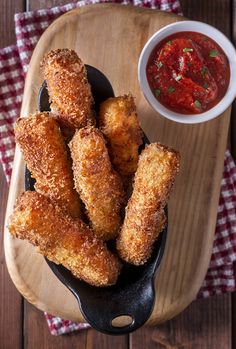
(47, 158)
(68, 87)
(144, 220)
(63, 240)
(99, 186)
(119, 123)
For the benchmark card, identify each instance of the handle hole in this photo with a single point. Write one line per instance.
(122, 321)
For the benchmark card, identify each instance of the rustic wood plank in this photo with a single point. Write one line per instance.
(37, 335)
(7, 29)
(38, 4)
(96, 340)
(10, 299)
(205, 324)
(214, 12)
(233, 297)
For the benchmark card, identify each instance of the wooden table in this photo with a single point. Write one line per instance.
(206, 323)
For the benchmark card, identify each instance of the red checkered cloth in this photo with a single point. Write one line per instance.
(14, 62)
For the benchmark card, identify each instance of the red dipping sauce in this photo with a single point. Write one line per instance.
(188, 73)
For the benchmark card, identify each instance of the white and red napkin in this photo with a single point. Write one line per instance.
(14, 62)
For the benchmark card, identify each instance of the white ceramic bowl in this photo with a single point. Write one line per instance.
(191, 26)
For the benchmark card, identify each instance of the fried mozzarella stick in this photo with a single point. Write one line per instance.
(63, 240)
(99, 186)
(47, 158)
(119, 123)
(69, 91)
(145, 219)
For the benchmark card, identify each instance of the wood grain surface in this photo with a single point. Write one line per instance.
(32, 328)
(193, 205)
(189, 330)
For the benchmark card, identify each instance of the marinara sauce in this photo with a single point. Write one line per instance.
(188, 72)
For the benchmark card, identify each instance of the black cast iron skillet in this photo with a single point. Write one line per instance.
(134, 293)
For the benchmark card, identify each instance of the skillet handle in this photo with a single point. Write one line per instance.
(104, 314)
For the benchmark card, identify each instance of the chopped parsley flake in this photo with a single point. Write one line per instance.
(197, 104)
(178, 77)
(213, 53)
(206, 86)
(169, 42)
(171, 89)
(159, 64)
(204, 70)
(157, 92)
(186, 49)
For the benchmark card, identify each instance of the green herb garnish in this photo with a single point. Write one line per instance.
(171, 89)
(213, 53)
(204, 70)
(189, 64)
(157, 92)
(169, 42)
(205, 85)
(159, 64)
(186, 49)
(197, 104)
(178, 77)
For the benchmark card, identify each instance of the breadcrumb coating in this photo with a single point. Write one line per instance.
(144, 219)
(69, 91)
(47, 158)
(63, 240)
(119, 123)
(99, 186)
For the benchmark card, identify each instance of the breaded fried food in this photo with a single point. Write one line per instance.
(69, 91)
(145, 219)
(48, 160)
(119, 123)
(63, 240)
(99, 186)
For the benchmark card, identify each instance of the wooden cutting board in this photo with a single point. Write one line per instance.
(110, 38)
